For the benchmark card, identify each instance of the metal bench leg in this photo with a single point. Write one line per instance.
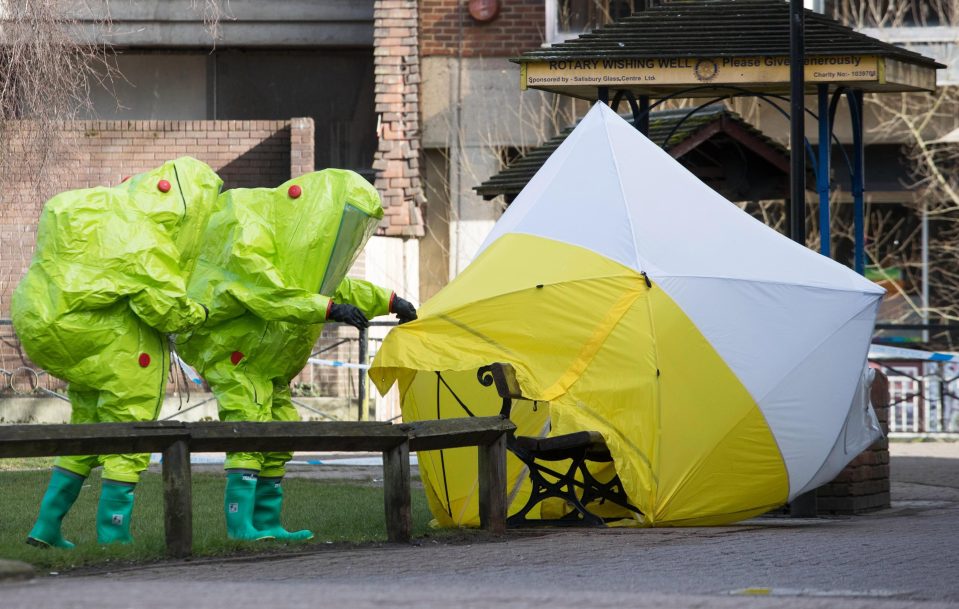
(564, 488)
(611, 491)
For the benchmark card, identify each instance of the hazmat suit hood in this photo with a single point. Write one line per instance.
(273, 264)
(304, 235)
(184, 216)
(354, 211)
(325, 219)
(113, 262)
(268, 254)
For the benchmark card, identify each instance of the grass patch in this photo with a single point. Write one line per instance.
(26, 463)
(336, 511)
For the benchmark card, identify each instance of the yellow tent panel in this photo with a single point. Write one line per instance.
(601, 366)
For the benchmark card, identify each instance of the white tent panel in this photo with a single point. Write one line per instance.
(527, 199)
(684, 228)
(607, 178)
(576, 198)
(763, 330)
(815, 397)
(858, 433)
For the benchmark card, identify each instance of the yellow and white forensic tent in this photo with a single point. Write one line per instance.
(719, 359)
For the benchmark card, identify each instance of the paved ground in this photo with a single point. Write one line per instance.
(907, 556)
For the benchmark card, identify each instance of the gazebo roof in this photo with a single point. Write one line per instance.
(708, 143)
(743, 42)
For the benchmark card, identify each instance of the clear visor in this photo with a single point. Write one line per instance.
(356, 228)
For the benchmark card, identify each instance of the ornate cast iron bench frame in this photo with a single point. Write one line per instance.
(579, 448)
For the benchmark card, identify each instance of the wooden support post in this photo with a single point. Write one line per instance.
(396, 490)
(492, 486)
(178, 497)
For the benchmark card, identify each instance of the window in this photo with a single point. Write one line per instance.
(567, 19)
(333, 86)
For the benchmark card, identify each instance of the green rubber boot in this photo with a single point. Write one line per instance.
(114, 511)
(267, 508)
(61, 493)
(238, 506)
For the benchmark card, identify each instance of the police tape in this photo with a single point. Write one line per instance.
(194, 376)
(886, 352)
(337, 364)
(187, 369)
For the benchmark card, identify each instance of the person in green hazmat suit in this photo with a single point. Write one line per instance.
(273, 270)
(106, 286)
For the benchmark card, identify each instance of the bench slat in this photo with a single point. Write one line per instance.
(296, 435)
(87, 438)
(453, 433)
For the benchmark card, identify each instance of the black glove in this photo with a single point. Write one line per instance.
(404, 310)
(348, 314)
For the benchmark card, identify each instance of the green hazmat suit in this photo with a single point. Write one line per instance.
(107, 283)
(273, 261)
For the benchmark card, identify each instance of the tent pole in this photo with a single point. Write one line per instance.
(803, 506)
(797, 174)
(361, 391)
(643, 123)
(823, 171)
(858, 180)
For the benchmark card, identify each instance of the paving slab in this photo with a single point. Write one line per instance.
(903, 557)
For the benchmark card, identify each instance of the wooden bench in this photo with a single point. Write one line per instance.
(176, 440)
(579, 448)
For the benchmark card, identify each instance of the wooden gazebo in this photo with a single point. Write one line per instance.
(716, 145)
(718, 49)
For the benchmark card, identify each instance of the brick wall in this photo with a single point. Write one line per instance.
(448, 29)
(301, 147)
(397, 85)
(92, 153)
(864, 485)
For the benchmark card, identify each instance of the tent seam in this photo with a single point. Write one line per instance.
(440, 314)
(814, 348)
(622, 194)
(657, 435)
(798, 363)
(766, 282)
(487, 244)
(705, 458)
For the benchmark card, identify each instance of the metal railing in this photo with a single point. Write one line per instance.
(337, 369)
(923, 396)
(19, 377)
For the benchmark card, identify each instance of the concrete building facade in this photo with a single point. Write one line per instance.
(474, 118)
